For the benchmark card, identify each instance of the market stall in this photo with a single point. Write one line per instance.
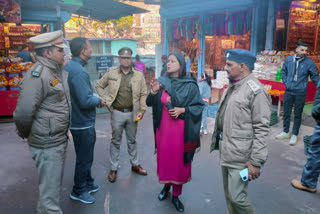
(13, 35)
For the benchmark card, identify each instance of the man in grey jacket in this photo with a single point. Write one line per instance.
(295, 76)
(42, 116)
(241, 128)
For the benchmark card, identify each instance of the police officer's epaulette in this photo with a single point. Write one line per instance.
(254, 87)
(37, 71)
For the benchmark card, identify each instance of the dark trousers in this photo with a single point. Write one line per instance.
(288, 101)
(311, 170)
(84, 141)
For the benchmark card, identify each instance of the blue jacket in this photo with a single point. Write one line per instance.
(305, 69)
(83, 101)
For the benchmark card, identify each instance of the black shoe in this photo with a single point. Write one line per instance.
(164, 193)
(177, 204)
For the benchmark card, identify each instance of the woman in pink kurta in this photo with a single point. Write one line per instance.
(177, 109)
(170, 146)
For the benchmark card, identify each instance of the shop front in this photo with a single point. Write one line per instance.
(269, 29)
(21, 20)
(295, 21)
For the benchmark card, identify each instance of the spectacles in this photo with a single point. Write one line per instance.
(125, 58)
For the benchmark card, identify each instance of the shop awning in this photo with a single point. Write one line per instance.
(104, 10)
(101, 10)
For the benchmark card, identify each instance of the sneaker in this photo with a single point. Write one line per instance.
(283, 135)
(93, 188)
(293, 140)
(200, 131)
(205, 132)
(84, 197)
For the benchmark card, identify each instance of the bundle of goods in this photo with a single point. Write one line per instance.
(14, 83)
(269, 63)
(3, 83)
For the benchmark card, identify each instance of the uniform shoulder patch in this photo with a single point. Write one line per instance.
(254, 87)
(37, 71)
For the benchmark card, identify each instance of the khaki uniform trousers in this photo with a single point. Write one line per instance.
(236, 192)
(119, 121)
(50, 166)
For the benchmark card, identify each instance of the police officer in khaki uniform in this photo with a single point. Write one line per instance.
(126, 100)
(241, 128)
(42, 116)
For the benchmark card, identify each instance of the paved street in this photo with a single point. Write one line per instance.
(136, 194)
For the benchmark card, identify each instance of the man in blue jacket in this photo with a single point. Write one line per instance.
(295, 76)
(84, 104)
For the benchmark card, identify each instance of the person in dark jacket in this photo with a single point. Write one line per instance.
(311, 170)
(84, 104)
(164, 60)
(25, 54)
(295, 76)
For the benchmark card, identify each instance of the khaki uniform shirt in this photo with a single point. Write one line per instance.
(43, 110)
(223, 109)
(245, 125)
(108, 87)
(124, 97)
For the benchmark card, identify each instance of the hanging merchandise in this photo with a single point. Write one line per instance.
(12, 12)
(235, 23)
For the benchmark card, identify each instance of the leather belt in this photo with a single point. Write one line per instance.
(125, 110)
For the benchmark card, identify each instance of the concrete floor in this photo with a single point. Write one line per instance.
(135, 194)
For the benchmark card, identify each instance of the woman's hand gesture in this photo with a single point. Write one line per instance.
(155, 86)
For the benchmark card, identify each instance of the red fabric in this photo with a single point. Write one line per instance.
(311, 91)
(8, 102)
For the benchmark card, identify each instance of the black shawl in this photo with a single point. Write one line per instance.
(185, 93)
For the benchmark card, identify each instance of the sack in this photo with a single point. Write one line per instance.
(212, 110)
(205, 89)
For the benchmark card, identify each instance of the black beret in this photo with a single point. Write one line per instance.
(241, 56)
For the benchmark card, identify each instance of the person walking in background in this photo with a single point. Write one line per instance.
(177, 108)
(140, 65)
(187, 60)
(164, 59)
(241, 128)
(295, 75)
(83, 115)
(205, 93)
(126, 100)
(25, 54)
(42, 116)
(311, 170)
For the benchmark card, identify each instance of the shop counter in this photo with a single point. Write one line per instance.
(311, 91)
(8, 102)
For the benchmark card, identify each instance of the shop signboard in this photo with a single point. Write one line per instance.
(103, 62)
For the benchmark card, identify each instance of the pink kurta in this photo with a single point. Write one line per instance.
(170, 148)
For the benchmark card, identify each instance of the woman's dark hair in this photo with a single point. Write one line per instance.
(182, 62)
(137, 57)
(40, 51)
(77, 45)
